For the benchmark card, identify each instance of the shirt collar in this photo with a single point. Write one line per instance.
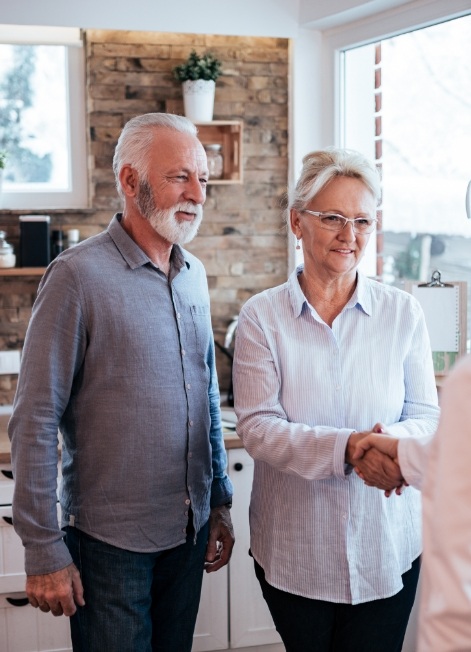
(361, 296)
(133, 254)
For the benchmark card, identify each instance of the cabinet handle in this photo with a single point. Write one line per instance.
(8, 519)
(8, 474)
(238, 466)
(18, 602)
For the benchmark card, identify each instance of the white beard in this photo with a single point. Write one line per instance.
(164, 222)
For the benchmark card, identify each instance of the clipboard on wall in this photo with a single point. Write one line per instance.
(445, 309)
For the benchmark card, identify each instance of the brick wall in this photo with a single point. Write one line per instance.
(242, 241)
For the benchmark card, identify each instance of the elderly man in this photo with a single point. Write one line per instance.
(119, 356)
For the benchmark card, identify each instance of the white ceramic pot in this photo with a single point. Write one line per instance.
(198, 99)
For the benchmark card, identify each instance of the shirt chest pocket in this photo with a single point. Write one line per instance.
(201, 318)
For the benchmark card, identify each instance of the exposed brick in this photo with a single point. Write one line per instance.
(242, 240)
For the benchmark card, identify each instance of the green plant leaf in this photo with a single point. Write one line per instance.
(197, 66)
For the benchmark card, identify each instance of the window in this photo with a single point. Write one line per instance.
(42, 118)
(420, 86)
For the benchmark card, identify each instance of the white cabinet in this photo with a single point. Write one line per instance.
(232, 613)
(22, 628)
(247, 619)
(251, 622)
(25, 629)
(212, 625)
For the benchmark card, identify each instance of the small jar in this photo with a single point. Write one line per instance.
(7, 257)
(215, 161)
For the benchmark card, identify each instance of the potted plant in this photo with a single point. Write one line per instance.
(198, 76)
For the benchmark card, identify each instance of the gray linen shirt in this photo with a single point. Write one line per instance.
(120, 358)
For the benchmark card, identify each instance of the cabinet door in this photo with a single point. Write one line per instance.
(24, 629)
(12, 577)
(212, 628)
(6, 484)
(251, 622)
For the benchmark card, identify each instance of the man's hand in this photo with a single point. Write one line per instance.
(221, 539)
(57, 592)
(374, 467)
(383, 444)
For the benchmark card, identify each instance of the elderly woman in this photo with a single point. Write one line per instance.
(318, 361)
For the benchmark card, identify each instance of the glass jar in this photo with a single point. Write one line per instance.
(215, 161)
(7, 257)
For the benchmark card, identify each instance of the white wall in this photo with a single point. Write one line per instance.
(280, 18)
(233, 17)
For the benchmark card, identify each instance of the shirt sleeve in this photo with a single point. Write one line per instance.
(413, 456)
(221, 488)
(52, 353)
(311, 452)
(444, 622)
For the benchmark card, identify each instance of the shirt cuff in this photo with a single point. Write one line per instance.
(221, 491)
(42, 560)
(341, 468)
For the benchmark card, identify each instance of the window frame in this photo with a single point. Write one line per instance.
(77, 196)
(316, 119)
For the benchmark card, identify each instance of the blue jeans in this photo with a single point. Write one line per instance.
(317, 626)
(136, 602)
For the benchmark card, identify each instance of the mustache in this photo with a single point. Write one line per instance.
(188, 207)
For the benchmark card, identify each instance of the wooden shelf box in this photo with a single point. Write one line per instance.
(228, 134)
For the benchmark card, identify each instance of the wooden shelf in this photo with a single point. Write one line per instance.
(22, 271)
(228, 134)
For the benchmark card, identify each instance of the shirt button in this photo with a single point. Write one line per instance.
(178, 315)
(184, 530)
(186, 513)
(189, 488)
(344, 516)
(187, 501)
(190, 423)
(190, 454)
(183, 352)
(188, 386)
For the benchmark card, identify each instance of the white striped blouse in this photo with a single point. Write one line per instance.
(300, 390)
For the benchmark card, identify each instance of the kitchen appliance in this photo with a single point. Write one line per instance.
(35, 244)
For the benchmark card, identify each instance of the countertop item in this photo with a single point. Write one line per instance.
(7, 257)
(5, 411)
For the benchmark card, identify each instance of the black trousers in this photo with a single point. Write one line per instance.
(307, 625)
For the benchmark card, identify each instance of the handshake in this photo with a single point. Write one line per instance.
(373, 456)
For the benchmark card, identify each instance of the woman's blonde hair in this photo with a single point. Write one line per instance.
(320, 167)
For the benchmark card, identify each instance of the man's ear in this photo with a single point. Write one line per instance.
(129, 180)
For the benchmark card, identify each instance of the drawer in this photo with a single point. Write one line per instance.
(24, 629)
(12, 577)
(6, 484)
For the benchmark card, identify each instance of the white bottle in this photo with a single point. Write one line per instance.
(7, 257)
(73, 237)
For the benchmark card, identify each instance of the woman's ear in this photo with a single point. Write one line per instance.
(295, 223)
(128, 179)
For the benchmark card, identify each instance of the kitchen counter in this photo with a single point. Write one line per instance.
(4, 441)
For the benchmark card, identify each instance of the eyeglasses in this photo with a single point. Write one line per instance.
(334, 222)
